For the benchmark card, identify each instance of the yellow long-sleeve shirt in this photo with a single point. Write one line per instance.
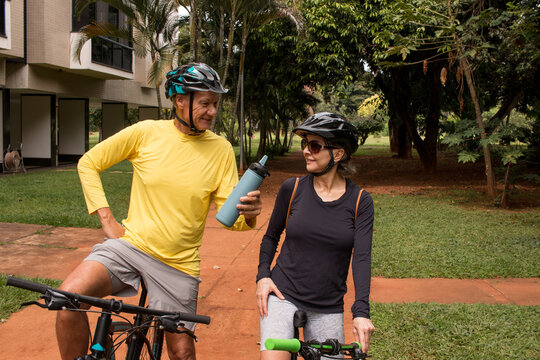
(175, 176)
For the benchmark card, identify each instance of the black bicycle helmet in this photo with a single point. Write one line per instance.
(190, 78)
(334, 128)
(193, 77)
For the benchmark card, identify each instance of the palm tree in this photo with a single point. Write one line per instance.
(255, 14)
(151, 27)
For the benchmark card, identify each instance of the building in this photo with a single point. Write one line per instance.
(46, 94)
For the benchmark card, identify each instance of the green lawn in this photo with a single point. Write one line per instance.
(11, 297)
(429, 235)
(457, 331)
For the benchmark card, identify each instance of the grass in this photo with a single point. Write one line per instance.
(457, 331)
(424, 236)
(54, 197)
(430, 235)
(12, 297)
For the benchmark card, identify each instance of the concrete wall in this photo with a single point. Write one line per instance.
(15, 30)
(48, 32)
(62, 82)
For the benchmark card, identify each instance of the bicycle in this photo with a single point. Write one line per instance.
(313, 350)
(143, 336)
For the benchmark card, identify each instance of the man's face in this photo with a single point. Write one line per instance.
(204, 108)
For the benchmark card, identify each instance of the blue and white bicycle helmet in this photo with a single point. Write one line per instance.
(190, 78)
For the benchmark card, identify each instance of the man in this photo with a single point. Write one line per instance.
(178, 167)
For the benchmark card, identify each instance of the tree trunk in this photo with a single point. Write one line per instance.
(233, 120)
(431, 138)
(198, 49)
(221, 38)
(404, 150)
(427, 149)
(241, 84)
(192, 25)
(227, 62)
(491, 186)
(504, 196)
(262, 131)
(160, 106)
(400, 143)
(467, 72)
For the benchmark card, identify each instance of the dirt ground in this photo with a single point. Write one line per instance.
(229, 264)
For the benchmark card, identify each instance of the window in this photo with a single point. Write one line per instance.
(112, 52)
(3, 18)
(87, 16)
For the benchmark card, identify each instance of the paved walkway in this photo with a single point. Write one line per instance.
(226, 294)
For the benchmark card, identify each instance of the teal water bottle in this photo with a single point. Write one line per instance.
(251, 180)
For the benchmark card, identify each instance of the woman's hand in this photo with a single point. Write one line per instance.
(251, 205)
(265, 286)
(362, 330)
(112, 228)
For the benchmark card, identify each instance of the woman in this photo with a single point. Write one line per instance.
(328, 220)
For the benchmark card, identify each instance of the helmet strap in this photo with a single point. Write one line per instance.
(193, 130)
(330, 165)
(192, 125)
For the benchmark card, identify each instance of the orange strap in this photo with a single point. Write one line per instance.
(294, 192)
(290, 202)
(357, 202)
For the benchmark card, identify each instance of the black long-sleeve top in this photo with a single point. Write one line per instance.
(311, 270)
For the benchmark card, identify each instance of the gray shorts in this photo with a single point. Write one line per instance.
(279, 323)
(169, 289)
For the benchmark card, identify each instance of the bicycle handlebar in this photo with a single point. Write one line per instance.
(310, 349)
(113, 305)
(291, 345)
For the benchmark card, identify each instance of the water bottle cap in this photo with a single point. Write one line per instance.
(258, 167)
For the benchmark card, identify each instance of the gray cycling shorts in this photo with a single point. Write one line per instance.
(279, 323)
(169, 289)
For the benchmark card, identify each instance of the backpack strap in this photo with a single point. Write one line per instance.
(357, 202)
(290, 201)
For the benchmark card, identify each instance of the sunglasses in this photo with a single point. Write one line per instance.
(315, 147)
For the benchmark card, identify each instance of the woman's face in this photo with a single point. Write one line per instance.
(315, 162)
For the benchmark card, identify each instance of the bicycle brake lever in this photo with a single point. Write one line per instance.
(170, 324)
(57, 301)
(44, 306)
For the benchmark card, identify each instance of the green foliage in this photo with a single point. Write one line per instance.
(372, 117)
(331, 50)
(468, 156)
(369, 118)
(95, 116)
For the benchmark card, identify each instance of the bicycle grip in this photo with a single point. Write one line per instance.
(201, 319)
(291, 345)
(26, 284)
